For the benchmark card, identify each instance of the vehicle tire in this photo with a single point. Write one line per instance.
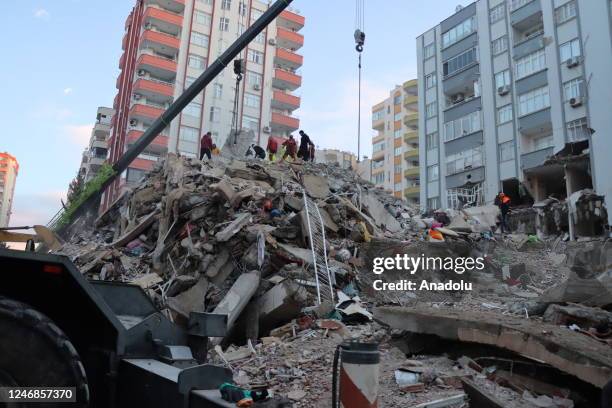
(34, 352)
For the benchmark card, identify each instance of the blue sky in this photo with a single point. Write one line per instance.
(61, 62)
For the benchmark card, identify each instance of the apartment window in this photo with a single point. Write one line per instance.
(458, 32)
(261, 38)
(134, 175)
(255, 56)
(397, 100)
(197, 62)
(398, 168)
(215, 114)
(218, 91)
(188, 139)
(504, 114)
(207, 2)
(431, 141)
(242, 8)
(433, 173)
(570, 50)
(379, 178)
(226, 4)
(497, 13)
(378, 115)
(431, 110)
(253, 78)
(506, 151)
(565, 12)
(199, 39)
(378, 147)
(193, 109)
(429, 50)
(502, 78)
(202, 18)
(433, 203)
(460, 61)
(543, 142)
(519, 3)
(397, 133)
(241, 29)
(378, 164)
(397, 151)
(251, 100)
(397, 116)
(251, 123)
(500, 45)
(465, 125)
(530, 64)
(577, 130)
(430, 80)
(466, 159)
(533, 101)
(189, 81)
(255, 14)
(224, 24)
(573, 89)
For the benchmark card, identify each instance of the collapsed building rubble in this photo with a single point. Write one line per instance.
(238, 237)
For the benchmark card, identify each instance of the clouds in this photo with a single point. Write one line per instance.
(41, 14)
(77, 134)
(36, 208)
(67, 91)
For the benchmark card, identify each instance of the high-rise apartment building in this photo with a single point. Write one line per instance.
(169, 43)
(516, 96)
(96, 151)
(395, 149)
(9, 169)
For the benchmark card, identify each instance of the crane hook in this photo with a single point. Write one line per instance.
(359, 40)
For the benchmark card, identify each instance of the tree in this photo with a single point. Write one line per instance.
(75, 188)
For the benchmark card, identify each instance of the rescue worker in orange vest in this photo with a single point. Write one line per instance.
(503, 202)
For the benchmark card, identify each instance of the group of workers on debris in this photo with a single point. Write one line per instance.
(306, 150)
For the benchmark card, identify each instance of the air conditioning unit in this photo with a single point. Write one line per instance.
(257, 87)
(503, 90)
(133, 122)
(272, 41)
(142, 72)
(267, 129)
(575, 102)
(148, 26)
(458, 98)
(137, 97)
(572, 62)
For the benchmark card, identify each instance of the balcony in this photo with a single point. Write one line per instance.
(158, 91)
(286, 80)
(99, 144)
(378, 155)
(535, 123)
(159, 42)
(158, 145)
(288, 59)
(290, 20)
(410, 100)
(525, 14)
(163, 68)
(411, 119)
(413, 83)
(289, 39)
(124, 41)
(122, 61)
(284, 123)
(101, 130)
(285, 101)
(412, 173)
(145, 113)
(176, 6)
(411, 137)
(411, 154)
(412, 191)
(142, 164)
(115, 103)
(163, 19)
(536, 159)
(96, 161)
(118, 81)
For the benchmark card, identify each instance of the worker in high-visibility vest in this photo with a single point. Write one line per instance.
(503, 202)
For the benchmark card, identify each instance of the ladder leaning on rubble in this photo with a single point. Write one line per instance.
(316, 233)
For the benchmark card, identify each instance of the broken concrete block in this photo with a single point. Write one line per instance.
(281, 304)
(225, 189)
(218, 262)
(379, 213)
(238, 296)
(235, 226)
(147, 281)
(304, 255)
(316, 186)
(192, 300)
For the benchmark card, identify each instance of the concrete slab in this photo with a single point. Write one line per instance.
(382, 218)
(235, 226)
(192, 300)
(316, 186)
(238, 296)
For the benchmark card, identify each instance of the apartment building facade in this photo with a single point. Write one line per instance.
(96, 152)
(168, 44)
(345, 160)
(517, 98)
(9, 169)
(395, 147)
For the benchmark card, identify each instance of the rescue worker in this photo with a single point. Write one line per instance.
(206, 145)
(503, 202)
(257, 151)
(290, 148)
(305, 144)
(272, 148)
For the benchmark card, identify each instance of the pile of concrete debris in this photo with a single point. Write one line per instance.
(286, 251)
